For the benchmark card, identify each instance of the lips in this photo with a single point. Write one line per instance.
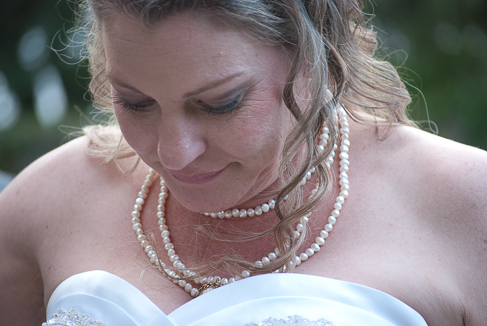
(199, 178)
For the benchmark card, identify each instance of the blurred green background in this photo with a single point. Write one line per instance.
(441, 44)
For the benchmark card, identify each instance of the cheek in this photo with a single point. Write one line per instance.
(260, 132)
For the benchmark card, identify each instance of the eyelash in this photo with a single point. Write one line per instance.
(126, 105)
(234, 105)
(214, 110)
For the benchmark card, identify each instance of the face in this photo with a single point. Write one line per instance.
(202, 105)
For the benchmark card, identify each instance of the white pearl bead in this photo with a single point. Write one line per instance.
(299, 227)
(310, 252)
(243, 213)
(265, 208)
(340, 200)
(303, 256)
(228, 214)
(332, 220)
(250, 212)
(235, 212)
(188, 287)
(258, 264)
(324, 234)
(258, 211)
(335, 213)
(141, 237)
(328, 227)
(214, 215)
(144, 243)
(320, 241)
(135, 214)
(315, 247)
(337, 206)
(272, 203)
(297, 260)
(224, 281)
(221, 214)
(272, 256)
(245, 273)
(194, 292)
(163, 227)
(165, 233)
(266, 261)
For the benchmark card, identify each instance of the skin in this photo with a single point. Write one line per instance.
(413, 226)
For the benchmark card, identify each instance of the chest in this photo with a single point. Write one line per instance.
(381, 244)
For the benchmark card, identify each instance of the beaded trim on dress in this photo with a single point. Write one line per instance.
(71, 318)
(292, 320)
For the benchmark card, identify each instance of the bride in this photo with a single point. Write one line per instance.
(260, 170)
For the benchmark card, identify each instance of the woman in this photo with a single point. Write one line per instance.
(282, 145)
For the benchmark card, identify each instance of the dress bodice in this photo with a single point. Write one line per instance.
(101, 298)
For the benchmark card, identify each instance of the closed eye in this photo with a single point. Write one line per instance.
(227, 108)
(130, 106)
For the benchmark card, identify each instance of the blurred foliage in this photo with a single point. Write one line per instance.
(440, 44)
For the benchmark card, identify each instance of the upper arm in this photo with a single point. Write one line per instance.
(460, 196)
(27, 204)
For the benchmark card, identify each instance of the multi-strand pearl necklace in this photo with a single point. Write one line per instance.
(209, 283)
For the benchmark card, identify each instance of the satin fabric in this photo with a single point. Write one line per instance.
(110, 299)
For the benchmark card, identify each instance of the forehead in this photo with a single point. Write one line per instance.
(184, 53)
(180, 46)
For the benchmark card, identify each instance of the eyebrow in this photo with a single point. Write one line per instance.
(189, 94)
(213, 84)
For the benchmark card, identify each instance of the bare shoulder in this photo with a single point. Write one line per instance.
(456, 172)
(447, 182)
(33, 202)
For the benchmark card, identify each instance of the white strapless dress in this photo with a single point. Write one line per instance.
(101, 298)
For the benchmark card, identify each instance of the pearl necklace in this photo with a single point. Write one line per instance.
(209, 283)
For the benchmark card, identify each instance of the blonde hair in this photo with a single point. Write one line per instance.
(330, 39)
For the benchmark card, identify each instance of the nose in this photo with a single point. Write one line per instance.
(181, 141)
